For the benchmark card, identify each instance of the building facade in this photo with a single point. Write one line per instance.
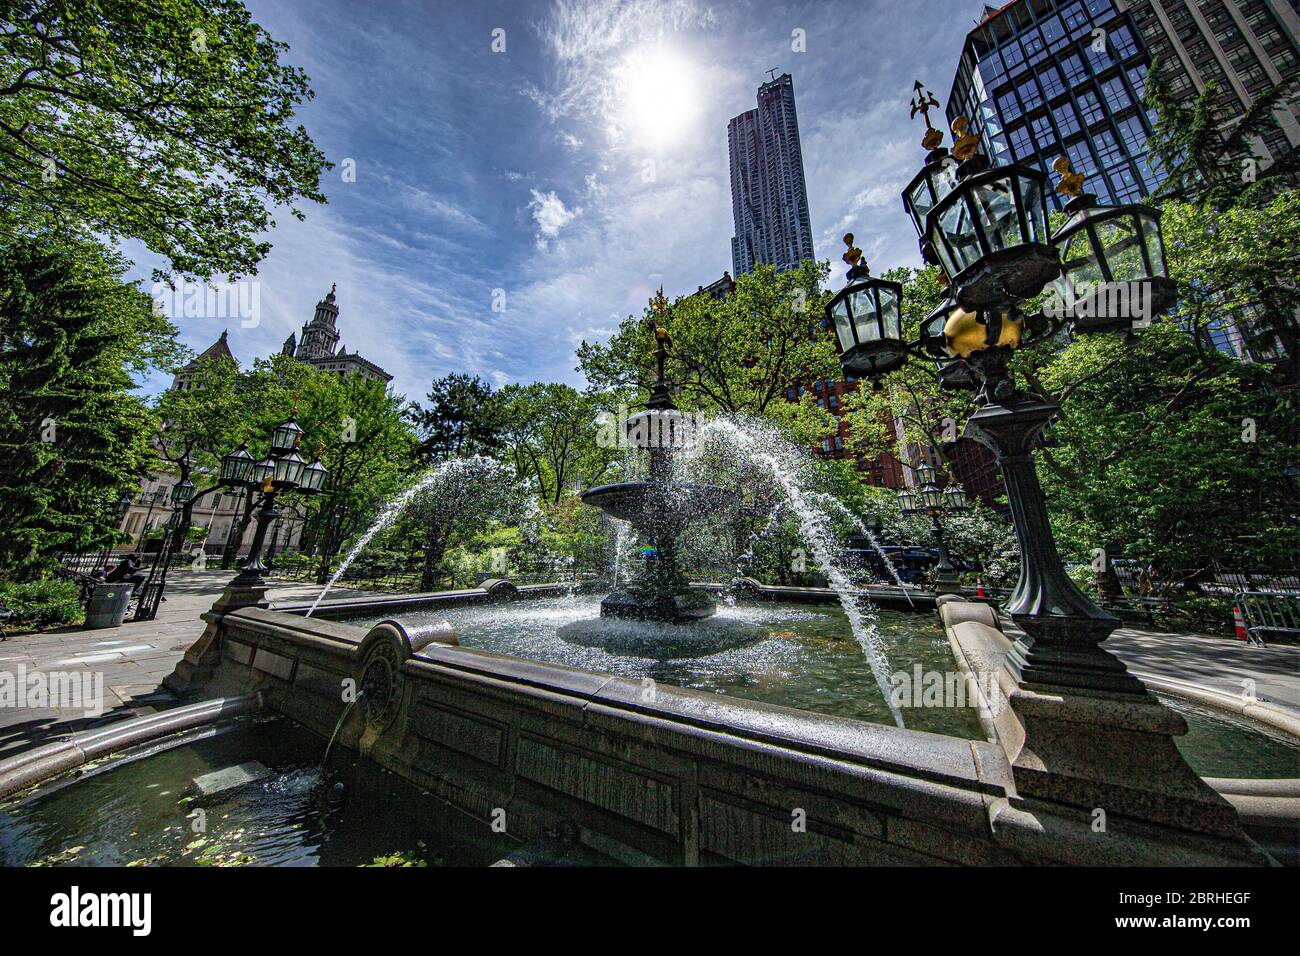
(1244, 49)
(1039, 79)
(319, 345)
(769, 199)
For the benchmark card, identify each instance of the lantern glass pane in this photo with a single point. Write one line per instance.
(263, 470)
(1031, 201)
(958, 235)
(889, 313)
(906, 500)
(954, 497)
(1151, 234)
(925, 474)
(865, 318)
(995, 203)
(921, 201)
(1080, 273)
(931, 497)
(843, 327)
(1121, 243)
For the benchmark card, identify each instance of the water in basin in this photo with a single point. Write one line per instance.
(795, 655)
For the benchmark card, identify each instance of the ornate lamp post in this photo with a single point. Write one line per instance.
(934, 502)
(1087, 733)
(283, 471)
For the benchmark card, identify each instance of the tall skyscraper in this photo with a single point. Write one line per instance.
(769, 202)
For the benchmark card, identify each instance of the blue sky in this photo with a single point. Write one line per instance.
(577, 170)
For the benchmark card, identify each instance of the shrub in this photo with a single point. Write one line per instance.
(42, 603)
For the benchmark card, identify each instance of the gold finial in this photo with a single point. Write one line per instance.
(922, 101)
(964, 144)
(854, 254)
(1071, 183)
(661, 334)
(660, 302)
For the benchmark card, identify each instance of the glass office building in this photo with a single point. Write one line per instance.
(1039, 79)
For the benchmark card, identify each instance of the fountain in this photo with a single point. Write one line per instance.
(658, 509)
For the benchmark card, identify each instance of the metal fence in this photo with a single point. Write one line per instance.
(1272, 614)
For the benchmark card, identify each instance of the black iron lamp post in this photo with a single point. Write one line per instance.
(935, 502)
(988, 232)
(283, 471)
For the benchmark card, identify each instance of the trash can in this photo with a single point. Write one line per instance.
(107, 605)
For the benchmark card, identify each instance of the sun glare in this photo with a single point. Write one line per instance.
(658, 94)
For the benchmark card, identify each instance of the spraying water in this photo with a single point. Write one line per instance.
(620, 542)
(454, 475)
(871, 539)
(813, 524)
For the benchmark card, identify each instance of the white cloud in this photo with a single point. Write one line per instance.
(551, 215)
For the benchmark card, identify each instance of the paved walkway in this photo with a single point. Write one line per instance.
(133, 660)
(1219, 663)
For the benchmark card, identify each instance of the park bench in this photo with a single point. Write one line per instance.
(1272, 613)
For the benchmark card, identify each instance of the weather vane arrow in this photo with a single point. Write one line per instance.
(922, 101)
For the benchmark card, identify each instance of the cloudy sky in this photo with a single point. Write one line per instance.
(576, 170)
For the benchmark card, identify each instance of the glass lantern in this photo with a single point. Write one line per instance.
(263, 472)
(907, 502)
(1114, 274)
(237, 467)
(954, 499)
(867, 318)
(286, 437)
(931, 496)
(936, 179)
(990, 234)
(182, 492)
(925, 473)
(313, 477)
(288, 471)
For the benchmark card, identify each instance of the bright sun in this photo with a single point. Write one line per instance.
(658, 96)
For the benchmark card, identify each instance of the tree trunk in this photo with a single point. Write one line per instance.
(433, 553)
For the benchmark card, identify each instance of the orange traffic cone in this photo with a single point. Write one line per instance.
(979, 587)
(1239, 623)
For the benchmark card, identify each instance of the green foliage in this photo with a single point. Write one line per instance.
(400, 858)
(166, 121)
(551, 434)
(1175, 455)
(464, 417)
(42, 603)
(72, 438)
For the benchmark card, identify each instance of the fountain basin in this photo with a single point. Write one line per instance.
(658, 506)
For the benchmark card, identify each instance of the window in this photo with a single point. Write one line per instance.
(1122, 41)
(1022, 144)
(1091, 108)
(1051, 81)
(1067, 121)
(1081, 158)
(1133, 135)
(1108, 148)
(1007, 106)
(1029, 95)
(1075, 71)
(1137, 78)
(1042, 129)
(1073, 17)
(1116, 96)
(1125, 184)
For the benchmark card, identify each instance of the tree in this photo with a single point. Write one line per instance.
(1174, 454)
(735, 356)
(72, 437)
(166, 121)
(1204, 158)
(197, 425)
(464, 417)
(550, 432)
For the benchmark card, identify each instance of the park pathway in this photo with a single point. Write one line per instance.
(133, 659)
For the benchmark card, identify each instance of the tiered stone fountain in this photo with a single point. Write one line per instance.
(659, 509)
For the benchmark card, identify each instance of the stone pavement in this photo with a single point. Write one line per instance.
(133, 660)
(1219, 663)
